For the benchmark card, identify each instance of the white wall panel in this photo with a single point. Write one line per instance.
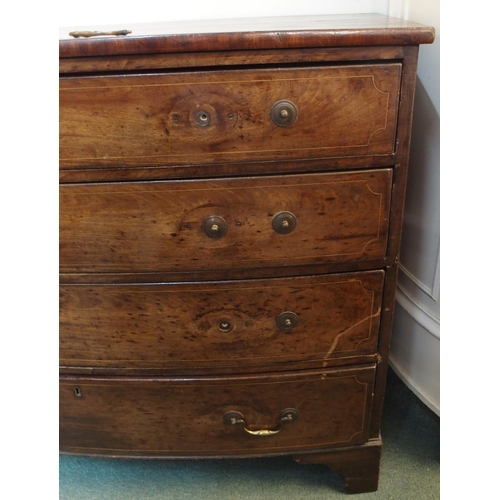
(101, 12)
(416, 336)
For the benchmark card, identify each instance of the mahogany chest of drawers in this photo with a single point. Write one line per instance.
(231, 203)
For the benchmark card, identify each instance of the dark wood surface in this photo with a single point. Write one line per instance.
(186, 416)
(146, 227)
(200, 60)
(144, 290)
(141, 120)
(396, 223)
(249, 34)
(226, 169)
(359, 466)
(184, 325)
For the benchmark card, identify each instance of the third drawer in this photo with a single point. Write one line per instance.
(238, 324)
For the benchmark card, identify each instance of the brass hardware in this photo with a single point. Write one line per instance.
(287, 321)
(78, 392)
(286, 416)
(203, 118)
(214, 227)
(284, 222)
(225, 326)
(284, 113)
(87, 34)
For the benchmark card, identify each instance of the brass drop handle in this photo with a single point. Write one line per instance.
(88, 34)
(214, 227)
(286, 416)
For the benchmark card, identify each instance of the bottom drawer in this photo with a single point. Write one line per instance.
(217, 415)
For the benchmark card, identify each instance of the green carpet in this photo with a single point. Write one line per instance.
(409, 470)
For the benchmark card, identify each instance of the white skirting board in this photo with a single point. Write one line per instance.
(415, 355)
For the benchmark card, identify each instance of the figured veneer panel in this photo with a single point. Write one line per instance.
(140, 120)
(150, 62)
(158, 226)
(195, 227)
(219, 324)
(257, 33)
(174, 416)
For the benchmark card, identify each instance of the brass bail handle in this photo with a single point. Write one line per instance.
(88, 34)
(286, 416)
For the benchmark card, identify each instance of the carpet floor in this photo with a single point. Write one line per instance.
(409, 469)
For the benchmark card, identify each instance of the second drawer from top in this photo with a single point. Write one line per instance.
(221, 224)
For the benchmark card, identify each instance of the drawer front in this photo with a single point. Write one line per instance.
(187, 417)
(258, 322)
(209, 117)
(224, 224)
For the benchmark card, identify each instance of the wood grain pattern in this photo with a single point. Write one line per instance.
(408, 86)
(141, 120)
(138, 227)
(359, 465)
(226, 169)
(179, 325)
(249, 34)
(145, 292)
(150, 62)
(178, 416)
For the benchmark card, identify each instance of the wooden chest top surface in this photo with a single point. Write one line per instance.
(248, 34)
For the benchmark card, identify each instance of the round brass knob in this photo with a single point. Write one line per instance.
(284, 222)
(284, 113)
(214, 227)
(287, 321)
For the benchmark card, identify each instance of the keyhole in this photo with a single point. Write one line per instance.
(203, 118)
(78, 392)
(225, 326)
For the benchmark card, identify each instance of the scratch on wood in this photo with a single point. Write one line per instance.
(337, 338)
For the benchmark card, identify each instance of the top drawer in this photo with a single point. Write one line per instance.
(187, 118)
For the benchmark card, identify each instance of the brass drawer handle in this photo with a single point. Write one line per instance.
(287, 321)
(284, 222)
(286, 416)
(284, 113)
(87, 34)
(214, 227)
